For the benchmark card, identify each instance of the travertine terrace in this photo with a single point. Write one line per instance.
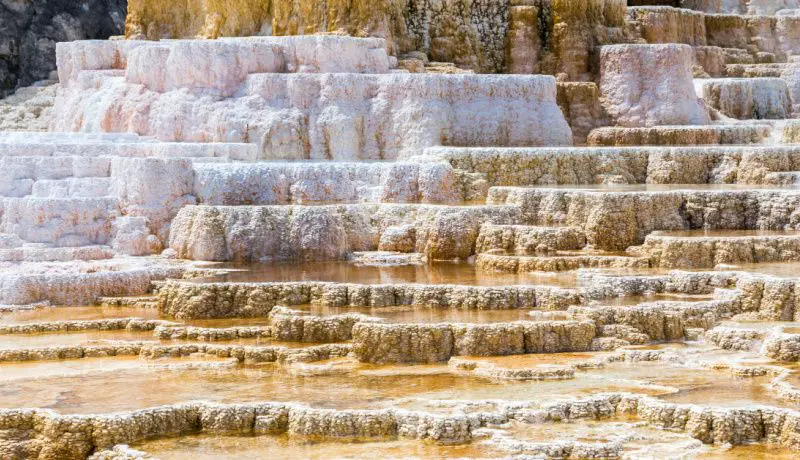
(407, 229)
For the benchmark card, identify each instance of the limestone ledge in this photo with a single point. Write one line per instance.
(35, 254)
(220, 300)
(774, 343)
(52, 155)
(581, 106)
(751, 7)
(631, 101)
(790, 73)
(45, 434)
(198, 64)
(59, 221)
(132, 324)
(791, 132)
(497, 372)
(708, 252)
(764, 37)
(773, 297)
(722, 134)
(732, 338)
(285, 325)
(288, 325)
(80, 283)
(430, 343)
(253, 233)
(610, 221)
(528, 240)
(747, 98)
(655, 321)
(615, 221)
(248, 354)
(140, 223)
(300, 116)
(782, 347)
(175, 331)
(555, 262)
(25, 172)
(296, 115)
(768, 298)
(148, 211)
(481, 168)
(307, 183)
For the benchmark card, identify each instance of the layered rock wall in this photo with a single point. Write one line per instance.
(291, 97)
(253, 233)
(615, 221)
(747, 98)
(766, 37)
(518, 36)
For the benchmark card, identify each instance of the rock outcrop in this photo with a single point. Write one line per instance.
(31, 30)
(541, 36)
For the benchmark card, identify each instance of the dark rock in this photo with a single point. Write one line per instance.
(29, 30)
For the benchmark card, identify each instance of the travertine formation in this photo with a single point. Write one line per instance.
(473, 229)
(539, 36)
(310, 98)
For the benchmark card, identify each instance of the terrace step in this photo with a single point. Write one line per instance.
(287, 123)
(61, 222)
(81, 282)
(786, 179)
(40, 254)
(83, 187)
(764, 37)
(708, 249)
(729, 134)
(614, 218)
(556, 262)
(747, 98)
(278, 183)
(478, 169)
(789, 72)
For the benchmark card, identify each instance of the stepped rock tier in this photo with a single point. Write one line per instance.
(307, 98)
(406, 229)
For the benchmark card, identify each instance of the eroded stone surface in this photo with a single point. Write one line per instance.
(460, 281)
(632, 102)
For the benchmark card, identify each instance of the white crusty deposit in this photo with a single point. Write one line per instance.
(309, 112)
(626, 76)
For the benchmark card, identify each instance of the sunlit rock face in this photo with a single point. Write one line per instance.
(542, 36)
(410, 229)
